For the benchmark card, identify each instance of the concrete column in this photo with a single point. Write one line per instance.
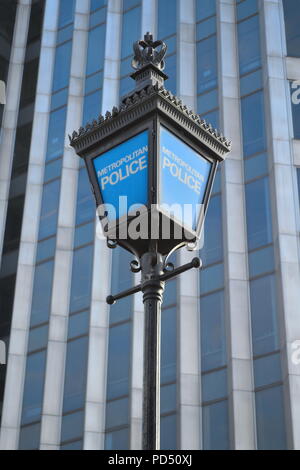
(58, 325)
(11, 109)
(238, 326)
(285, 201)
(16, 365)
(94, 426)
(188, 327)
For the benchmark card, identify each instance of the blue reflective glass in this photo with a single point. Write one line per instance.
(170, 293)
(52, 170)
(75, 376)
(117, 413)
(127, 4)
(206, 28)
(207, 101)
(214, 385)
(253, 122)
(168, 398)
(213, 335)
(59, 99)
(170, 70)
(46, 249)
(251, 82)
(205, 8)
(33, 387)
(126, 85)
(42, 290)
(131, 30)
(125, 67)
(291, 15)
(211, 278)
(119, 348)
(81, 278)
(217, 183)
(62, 66)
(261, 261)
(213, 119)
(212, 250)
(64, 34)
(78, 324)
(270, 420)
(166, 12)
(56, 134)
(267, 370)
(249, 45)
(258, 211)
(246, 8)
(256, 166)
(168, 345)
(38, 338)
(207, 64)
(94, 82)
(122, 279)
(98, 17)
(77, 445)
(95, 4)
(215, 426)
(49, 209)
(172, 44)
(66, 12)
(85, 201)
(84, 234)
(95, 53)
(264, 315)
(30, 437)
(117, 440)
(92, 107)
(168, 435)
(72, 426)
(295, 99)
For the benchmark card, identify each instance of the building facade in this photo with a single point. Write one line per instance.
(230, 372)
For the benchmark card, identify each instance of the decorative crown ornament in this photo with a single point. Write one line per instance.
(145, 53)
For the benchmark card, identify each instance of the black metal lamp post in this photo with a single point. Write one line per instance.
(151, 163)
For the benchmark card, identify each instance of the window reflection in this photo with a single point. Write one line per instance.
(291, 15)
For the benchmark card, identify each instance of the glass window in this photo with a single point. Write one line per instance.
(264, 315)
(206, 28)
(64, 34)
(59, 99)
(207, 101)
(170, 293)
(168, 432)
(85, 200)
(207, 64)
(256, 166)
(246, 8)
(49, 209)
(81, 278)
(95, 54)
(78, 445)
(295, 99)
(98, 17)
(291, 15)
(53, 170)
(253, 123)
(33, 387)
(267, 370)
(213, 246)
(205, 8)
(122, 279)
(251, 82)
(94, 82)
(84, 234)
(56, 134)
(117, 413)
(62, 66)
(46, 249)
(270, 419)
(214, 385)
(168, 345)
(117, 440)
(131, 30)
(166, 18)
(38, 338)
(213, 339)
(258, 211)
(168, 398)
(72, 426)
(30, 437)
(66, 12)
(249, 45)
(215, 426)
(213, 119)
(78, 324)
(95, 4)
(119, 349)
(92, 106)
(170, 70)
(211, 278)
(42, 290)
(75, 377)
(261, 261)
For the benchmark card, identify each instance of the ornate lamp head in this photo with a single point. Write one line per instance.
(145, 53)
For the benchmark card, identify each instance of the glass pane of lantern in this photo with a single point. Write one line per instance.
(184, 175)
(123, 172)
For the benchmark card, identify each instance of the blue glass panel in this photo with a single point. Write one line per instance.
(170, 293)
(246, 8)
(207, 64)
(131, 30)
(117, 413)
(119, 348)
(249, 45)
(168, 398)
(267, 370)
(264, 315)
(217, 182)
(168, 345)
(95, 4)
(251, 82)
(92, 107)
(126, 85)
(212, 250)
(258, 211)
(86, 208)
(213, 336)
(81, 278)
(292, 30)
(59, 99)
(66, 12)
(295, 99)
(125, 67)
(270, 421)
(72, 426)
(214, 385)
(213, 119)
(97, 18)
(56, 134)
(166, 12)
(33, 387)
(62, 66)
(53, 170)
(42, 290)
(206, 28)
(49, 209)
(172, 44)
(122, 279)
(211, 278)
(78, 324)
(95, 54)
(215, 426)
(84, 234)
(127, 4)
(117, 440)
(46, 249)
(256, 166)
(38, 338)
(30, 437)
(77, 445)
(207, 101)
(205, 8)
(168, 432)
(253, 120)
(64, 34)
(75, 376)
(261, 261)
(170, 70)
(94, 82)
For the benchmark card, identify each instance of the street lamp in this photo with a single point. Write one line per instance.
(151, 164)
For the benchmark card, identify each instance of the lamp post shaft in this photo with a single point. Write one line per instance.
(152, 288)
